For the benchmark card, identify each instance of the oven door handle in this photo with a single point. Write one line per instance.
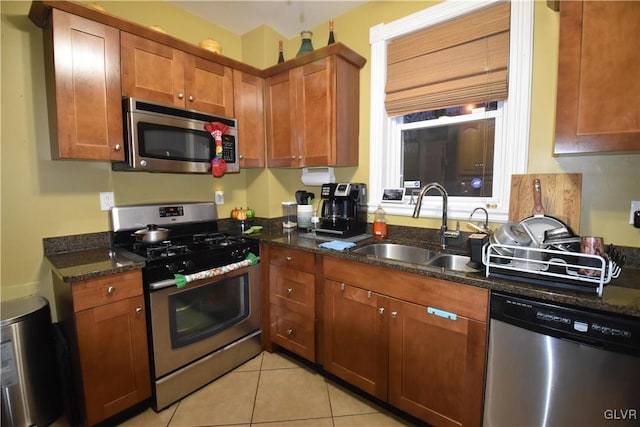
(162, 284)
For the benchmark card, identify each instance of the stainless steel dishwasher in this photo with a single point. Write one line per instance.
(554, 365)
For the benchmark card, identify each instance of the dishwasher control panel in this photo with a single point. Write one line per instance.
(569, 322)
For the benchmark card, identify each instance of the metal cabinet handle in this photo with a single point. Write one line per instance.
(289, 331)
(342, 286)
(293, 157)
(299, 157)
(181, 95)
(369, 294)
(111, 290)
(381, 310)
(191, 98)
(240, 156)
(138, 310)
(117, 147)
(288, 258)
(394, 314)
(289, 290)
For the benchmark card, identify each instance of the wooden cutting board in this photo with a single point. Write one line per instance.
(561, 197)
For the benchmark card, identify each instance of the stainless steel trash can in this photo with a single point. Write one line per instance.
(30, 385)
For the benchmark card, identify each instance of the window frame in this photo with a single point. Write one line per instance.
(385, 147)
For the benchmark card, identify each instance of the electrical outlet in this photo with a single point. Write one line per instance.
(106, 201)
(635, 206)
(219, 197)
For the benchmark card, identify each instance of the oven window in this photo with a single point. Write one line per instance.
(173, 143)
(199, 313)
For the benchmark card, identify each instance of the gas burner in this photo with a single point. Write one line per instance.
(166, 249)
(214, 240)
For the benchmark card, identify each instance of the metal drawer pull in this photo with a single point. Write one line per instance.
(138, 310)
(442, 313)
(191, 98)
(289, 290)
(289, 331)
(111, 290)
(369, 294)
(394, 314)
(288, 258)
(181, 95)
(381, 310)
(342, 286)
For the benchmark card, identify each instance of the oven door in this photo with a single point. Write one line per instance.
(204, 316)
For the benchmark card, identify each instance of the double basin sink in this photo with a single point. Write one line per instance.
(415, 255)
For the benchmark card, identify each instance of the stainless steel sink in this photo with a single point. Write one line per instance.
(452, 262)
(415, 255)
(397, 252)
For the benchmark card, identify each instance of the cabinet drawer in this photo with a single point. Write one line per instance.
(299, 260)
(292, 289)
(293, 331)
(104, 290)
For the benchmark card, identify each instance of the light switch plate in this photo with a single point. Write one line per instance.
(635, 206)
(219, 197)
(106, 201)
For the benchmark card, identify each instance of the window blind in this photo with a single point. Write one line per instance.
(462, 61)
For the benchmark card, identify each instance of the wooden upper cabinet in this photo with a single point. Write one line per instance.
(312, 109)
(598, 104)
(248, 92)
(160, 73)
(82, 60)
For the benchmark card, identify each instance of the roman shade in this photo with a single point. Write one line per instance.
(462, 61)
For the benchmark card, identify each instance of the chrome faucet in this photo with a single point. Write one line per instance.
(484, 228)
(444, 233)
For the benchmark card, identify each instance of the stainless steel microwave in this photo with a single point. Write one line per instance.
(163, 138)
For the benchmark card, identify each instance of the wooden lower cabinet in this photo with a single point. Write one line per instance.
(105, 322)
(292, 300)
(356, 337)
(406, 353)
(436, 365)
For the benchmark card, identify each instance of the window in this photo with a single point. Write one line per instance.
(392, 137)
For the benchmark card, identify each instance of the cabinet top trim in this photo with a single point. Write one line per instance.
(40, 12)
(337, 49)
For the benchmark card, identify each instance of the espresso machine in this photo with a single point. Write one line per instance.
(344, 209)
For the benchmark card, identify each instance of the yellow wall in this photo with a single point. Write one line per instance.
(44, 198)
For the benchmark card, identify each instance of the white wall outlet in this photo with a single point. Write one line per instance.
(635, 206)
(219, 197)
(106, 201)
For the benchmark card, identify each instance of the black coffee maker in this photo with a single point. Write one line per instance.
(344, 209)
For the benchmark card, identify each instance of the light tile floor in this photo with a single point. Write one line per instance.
(270, 390)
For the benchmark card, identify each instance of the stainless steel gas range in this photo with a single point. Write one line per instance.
(203, 300)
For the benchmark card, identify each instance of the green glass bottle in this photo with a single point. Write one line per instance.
(305, 46)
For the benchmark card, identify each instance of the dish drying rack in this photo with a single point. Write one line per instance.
(549, 267)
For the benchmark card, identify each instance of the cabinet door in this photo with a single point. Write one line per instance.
(598, 104)
(280, 115)
(152, 71)
(436, 365)
(208, 86)
(355, 337)
(249, 110)
(314, 127)
(86, 93)
(112, 339)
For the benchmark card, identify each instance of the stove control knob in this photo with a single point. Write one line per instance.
(173, 268)
(188, 264)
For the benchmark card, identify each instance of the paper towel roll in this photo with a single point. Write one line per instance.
(315, 177)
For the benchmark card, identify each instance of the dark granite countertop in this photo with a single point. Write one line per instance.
(86, 256)
(83, 257)
(620, 296)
